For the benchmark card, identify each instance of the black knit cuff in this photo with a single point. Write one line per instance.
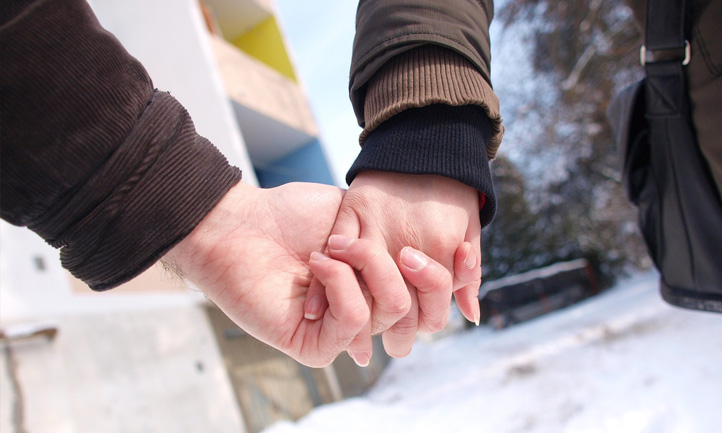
(436, 139)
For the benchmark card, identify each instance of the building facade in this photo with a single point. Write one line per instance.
(153, 355)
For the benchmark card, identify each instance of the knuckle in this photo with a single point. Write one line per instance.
(445, 246)
(356, 316)
(322, 354)
(354, 206)
(411, 231)
(319, 362)
(444, 280)
(436, 281)
(379, 326)
(335, 272)
(435, 323)
(405, 326)
(388, 315)
(399, 306)
(374, 254)
(463, 284)
(443, 250)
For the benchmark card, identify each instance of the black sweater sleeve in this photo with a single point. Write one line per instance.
(93, 159)
(436, 139)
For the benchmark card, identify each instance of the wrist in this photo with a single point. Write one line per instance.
(434, 140)
(419, 187)
(192, 254)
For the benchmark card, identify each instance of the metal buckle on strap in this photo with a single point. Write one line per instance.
(655, 56)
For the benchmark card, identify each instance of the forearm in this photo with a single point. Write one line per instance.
(95, 160)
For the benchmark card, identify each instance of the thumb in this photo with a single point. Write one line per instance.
(348, 224)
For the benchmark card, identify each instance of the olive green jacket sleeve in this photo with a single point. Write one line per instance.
(414, 53)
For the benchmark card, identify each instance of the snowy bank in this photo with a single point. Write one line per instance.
(622, 362)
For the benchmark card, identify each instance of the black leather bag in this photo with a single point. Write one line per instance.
(664, 172)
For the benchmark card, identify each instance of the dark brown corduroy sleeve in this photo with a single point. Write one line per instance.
(93, 159)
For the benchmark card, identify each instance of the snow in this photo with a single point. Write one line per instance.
(622, 362)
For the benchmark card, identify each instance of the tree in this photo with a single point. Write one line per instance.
(510, 245)
(587, 51)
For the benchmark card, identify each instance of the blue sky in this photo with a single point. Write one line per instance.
(321, 33)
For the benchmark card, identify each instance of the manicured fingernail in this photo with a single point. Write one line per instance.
(313, 308)
(413, 259)
(477, 314)
(470, 259)
(315, 255)
(360, 358)
(339, 242)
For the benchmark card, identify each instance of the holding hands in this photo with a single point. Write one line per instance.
(409, 215)
(313, 273)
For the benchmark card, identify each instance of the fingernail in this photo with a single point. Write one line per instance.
(413, 259)
(477, 314)
(360, 358)
(315, 255)
(313, 307)
(470, 259)
(339, 242)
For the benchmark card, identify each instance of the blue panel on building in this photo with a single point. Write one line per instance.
(307, 164)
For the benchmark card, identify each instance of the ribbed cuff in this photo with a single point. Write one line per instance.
(436, 139)
(171, 179)
(429, 75)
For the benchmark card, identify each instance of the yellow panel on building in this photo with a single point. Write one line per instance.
(265, 43)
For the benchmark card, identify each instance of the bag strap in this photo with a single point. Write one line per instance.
(664, 54)
(664, 37)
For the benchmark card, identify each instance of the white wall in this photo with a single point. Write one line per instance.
(29, 294)
(120, 372)
(120, 362)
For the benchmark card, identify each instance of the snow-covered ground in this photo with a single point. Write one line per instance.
(623, 362)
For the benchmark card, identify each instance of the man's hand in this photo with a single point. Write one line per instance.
(255, 254)
(433, 214)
